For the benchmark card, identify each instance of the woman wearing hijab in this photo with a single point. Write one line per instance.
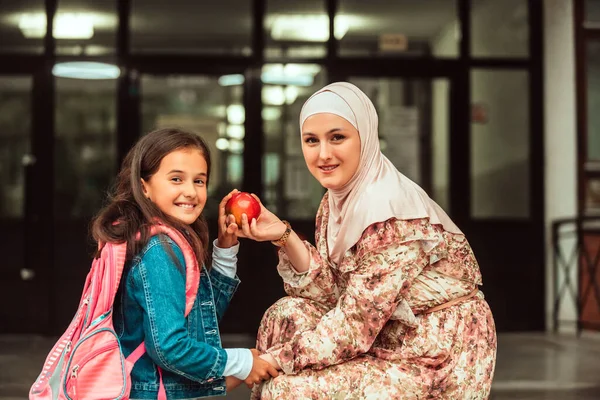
(387, 305)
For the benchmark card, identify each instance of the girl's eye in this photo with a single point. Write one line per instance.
(310, 140)
(176, 179)
(338, 137)
(199, 182)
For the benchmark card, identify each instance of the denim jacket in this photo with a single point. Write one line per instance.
(150, 307)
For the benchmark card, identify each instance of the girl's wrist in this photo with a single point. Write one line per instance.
(225, 243)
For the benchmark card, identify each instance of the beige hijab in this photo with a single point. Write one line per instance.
(377, 191)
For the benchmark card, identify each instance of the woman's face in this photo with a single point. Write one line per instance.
(331, 148)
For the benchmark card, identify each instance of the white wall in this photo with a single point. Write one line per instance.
(560, 131)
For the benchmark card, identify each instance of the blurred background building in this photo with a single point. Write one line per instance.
(490, 105)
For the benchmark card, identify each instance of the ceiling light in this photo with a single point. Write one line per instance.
(307, 28)
(282, 79)
(236, 114)
(231, 80)
(236, 131)
(66, 26)
(290, 74)
(291, 94)
(236, 146)
(86, 70)
(271, 113)
(222, 144)
(273, 95)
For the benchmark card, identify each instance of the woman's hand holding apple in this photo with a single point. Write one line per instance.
(267, 227)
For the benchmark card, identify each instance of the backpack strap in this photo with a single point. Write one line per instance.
(192, 270)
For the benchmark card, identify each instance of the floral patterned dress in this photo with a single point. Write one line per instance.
(359, 330)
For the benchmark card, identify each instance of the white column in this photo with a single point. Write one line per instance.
(560, 133)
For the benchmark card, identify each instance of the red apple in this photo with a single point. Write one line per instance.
(242, 203)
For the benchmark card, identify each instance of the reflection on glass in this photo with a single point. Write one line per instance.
(593, 101)
(290, 190)
(499, 144)
(499, 28)
(401, 28)
(85, 149)
(296, 29)
(413, 129)
(191, 27)
(85, 27)
(592, 196)
(212, 108)
(440, 136)
(22, 26)
(592, 14)
(15, 126)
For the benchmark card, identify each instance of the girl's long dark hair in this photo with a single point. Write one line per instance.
(130, 213)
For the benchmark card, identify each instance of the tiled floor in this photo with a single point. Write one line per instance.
(529, 367)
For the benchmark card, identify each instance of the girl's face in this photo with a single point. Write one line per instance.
(178, 188)
(331, 148)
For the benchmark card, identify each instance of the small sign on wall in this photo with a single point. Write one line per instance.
(393, 42)
(479, 113)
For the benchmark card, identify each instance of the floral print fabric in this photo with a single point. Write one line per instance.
(357, 330)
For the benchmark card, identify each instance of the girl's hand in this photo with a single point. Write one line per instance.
(261, 370)
(269, 358)
(268, 227)
(228, 229)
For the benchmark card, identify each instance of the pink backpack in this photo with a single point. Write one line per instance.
(87, 361)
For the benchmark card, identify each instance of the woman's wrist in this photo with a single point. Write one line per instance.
(282, 240)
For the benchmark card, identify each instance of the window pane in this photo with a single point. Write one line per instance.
(403, 28)
(22, 26)
(290, 190)
(183, 26)
(499, 28)
(440, 152)
(413, 128)
(499, 144)
(592, 196)
(85, 149)
(296, 29)
(592, 14)
(593, 101)
(85, 27)
(15, 128)
(213, 108)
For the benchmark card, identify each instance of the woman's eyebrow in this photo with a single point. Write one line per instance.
(333, 130)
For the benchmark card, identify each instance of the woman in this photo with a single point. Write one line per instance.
(386, 306)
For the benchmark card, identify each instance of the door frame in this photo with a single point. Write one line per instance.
(32, 285)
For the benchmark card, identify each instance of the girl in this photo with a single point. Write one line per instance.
(164, 178)
(386, 306)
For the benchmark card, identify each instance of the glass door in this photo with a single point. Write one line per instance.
(414, 127)
(211, 106)
(18, 283)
